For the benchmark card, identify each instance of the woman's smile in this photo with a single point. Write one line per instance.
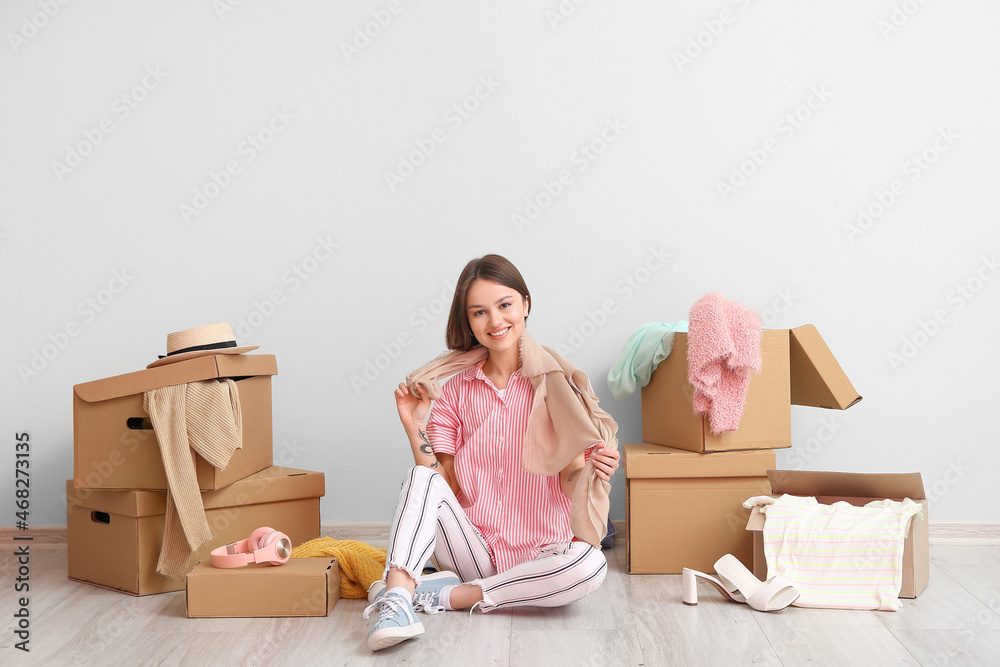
(496, 315)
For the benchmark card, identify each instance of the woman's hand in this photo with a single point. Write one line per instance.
(412, 410)
(605, 461)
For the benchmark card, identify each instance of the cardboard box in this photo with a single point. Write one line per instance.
(114, 446)
(857, 489)
(686, 509)
(114, 537)
(798, 369)
(300, 587)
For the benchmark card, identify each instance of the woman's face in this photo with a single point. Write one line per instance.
(496, 314)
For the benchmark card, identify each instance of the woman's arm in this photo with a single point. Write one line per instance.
(447, 471)
(571, 473)
(412, 412)
(605, 464)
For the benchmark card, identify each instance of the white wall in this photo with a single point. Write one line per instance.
(875, 85)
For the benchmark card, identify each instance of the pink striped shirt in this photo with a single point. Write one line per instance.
(517, 512)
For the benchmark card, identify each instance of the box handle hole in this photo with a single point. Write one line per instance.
(139, 423)
(100, 517)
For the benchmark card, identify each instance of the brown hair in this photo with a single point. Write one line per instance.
(458, 335)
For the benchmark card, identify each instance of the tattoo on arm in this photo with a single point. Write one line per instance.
(573, 475)
(426, 449)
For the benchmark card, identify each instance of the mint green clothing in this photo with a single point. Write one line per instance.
(645, 348)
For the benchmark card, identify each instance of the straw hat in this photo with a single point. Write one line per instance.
(203, 341)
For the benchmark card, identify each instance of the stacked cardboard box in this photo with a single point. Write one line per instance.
(117, 498)
(686, 487)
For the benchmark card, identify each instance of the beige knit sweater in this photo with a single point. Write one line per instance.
(565, 420)
(204, 416)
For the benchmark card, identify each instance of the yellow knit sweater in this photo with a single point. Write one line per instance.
(361, 564)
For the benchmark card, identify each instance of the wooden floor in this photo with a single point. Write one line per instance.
(630, 620)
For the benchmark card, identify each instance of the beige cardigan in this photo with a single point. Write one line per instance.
(565, 420)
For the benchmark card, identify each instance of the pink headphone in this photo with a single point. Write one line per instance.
(265, 545)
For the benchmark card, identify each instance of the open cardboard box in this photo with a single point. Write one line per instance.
(299, 587)
(114, 537)
(114, 446)
(857, 489)
(798, 369)
(686, 509)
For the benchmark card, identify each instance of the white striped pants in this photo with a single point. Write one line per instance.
(430, 520)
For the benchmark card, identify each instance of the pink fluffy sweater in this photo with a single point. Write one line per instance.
(723, 347)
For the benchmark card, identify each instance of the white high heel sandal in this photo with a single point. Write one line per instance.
(690, 583)
(738, 584)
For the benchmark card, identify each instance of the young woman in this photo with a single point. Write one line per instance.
(501, 536)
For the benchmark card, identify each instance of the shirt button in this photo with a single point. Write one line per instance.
(501, 438)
